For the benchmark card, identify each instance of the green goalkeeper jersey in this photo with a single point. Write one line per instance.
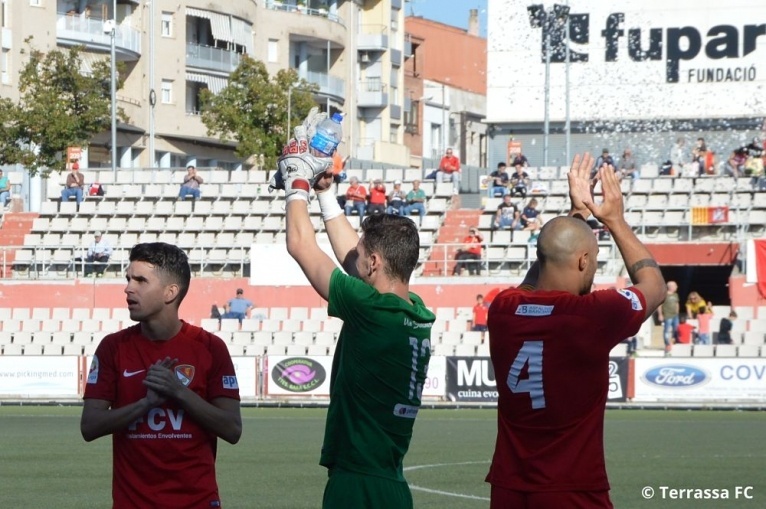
(380, 364)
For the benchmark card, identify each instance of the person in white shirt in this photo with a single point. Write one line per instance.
(98, 255)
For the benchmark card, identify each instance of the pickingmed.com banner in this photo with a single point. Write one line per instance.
(39, 376)
(700, 380)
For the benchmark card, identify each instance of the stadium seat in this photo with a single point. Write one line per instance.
(13, 349)
(465, 350)
(324, 339)
(747, 350)
(702, 350)
(70, 349)
(681, 350)
(303, 338)
(472, 338)
(35, 349)
(316, 351)
(725, 350)
(276, 349)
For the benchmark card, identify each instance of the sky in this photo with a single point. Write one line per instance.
(450, 12)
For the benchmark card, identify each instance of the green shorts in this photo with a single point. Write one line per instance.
(350, 490)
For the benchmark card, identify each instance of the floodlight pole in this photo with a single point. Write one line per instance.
(114, 86)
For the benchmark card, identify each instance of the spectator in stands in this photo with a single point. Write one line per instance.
(628, 167)
(416, 201)
(678, 155)
(469, 254)
(735, 165)
(449, 166)
(520, 159)
(239, 306)
(699, 157)
(604, 160)
(75, 183)
(685, 330)
(507, 215)
(383, 348)
(479, 320)
(339, 167)
(693, 304)
(97, 258)
(668, 316)
(157, 372)
(377, 203)
(5, 191)
(498, 181)
(356, 198)
(549, 451)
(519, 181)
(190, 186)
(704, 317)
(725, 327)
(530, 217)
(397, 199)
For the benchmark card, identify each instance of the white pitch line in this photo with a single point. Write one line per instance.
(446, 493)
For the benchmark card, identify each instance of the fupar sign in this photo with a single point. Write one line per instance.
(638, 59)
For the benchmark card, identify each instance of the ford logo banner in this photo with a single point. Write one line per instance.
(676, 376)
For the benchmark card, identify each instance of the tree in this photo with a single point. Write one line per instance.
(252, 109)
(59, 107)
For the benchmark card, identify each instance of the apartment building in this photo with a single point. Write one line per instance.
(172, 49)
(446, 88)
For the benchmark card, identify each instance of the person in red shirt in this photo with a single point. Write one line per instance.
(469, 256)
(685, 331)
(549, 343)
(378, 198)
(449, 166)
(356, 198)
(479, 322)
(164, 389)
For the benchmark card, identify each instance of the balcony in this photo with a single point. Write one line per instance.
(329, 86)
(288, 7)
(396, 57)
(372, 94)
(396, 4)
(77, 29)
(212, 59)
(372, 38)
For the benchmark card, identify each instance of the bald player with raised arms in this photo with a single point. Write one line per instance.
(550, 340)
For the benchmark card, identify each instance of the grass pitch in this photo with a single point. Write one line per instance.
(46, 464)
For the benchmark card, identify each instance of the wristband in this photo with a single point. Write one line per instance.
(328, 204)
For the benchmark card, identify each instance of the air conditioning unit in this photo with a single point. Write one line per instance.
(365, 58)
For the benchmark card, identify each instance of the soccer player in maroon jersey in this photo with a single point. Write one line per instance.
(164, 389)
(550, 341)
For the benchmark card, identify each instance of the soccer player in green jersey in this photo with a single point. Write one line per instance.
(384, 346)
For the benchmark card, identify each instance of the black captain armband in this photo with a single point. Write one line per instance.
(641, 264)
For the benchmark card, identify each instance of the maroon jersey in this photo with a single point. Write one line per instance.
(550, 351)
(163, 459)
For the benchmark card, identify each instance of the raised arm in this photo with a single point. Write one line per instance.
(642, 268)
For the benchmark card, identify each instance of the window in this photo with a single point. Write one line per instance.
(36, 3)
(273, 50)
(5, 66)
(5, 18)
(167, 92)
(411, 116)
(394, 134)
(167, 24)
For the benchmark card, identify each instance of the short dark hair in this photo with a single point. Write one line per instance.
(169, 261)
(191, 166)
(396, 239)
(501, 165)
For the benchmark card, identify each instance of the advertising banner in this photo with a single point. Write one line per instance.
(618, 379)
(700, 380)
(435, 385)
(297, 375)
(38, 376)
(470, 379)
(247, 376)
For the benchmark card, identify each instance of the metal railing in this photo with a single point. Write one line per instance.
(300, 9)
(328, 84)
(47, 262)
(85, 29)
(207, 57)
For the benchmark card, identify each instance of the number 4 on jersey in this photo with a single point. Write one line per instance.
(531, 355)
